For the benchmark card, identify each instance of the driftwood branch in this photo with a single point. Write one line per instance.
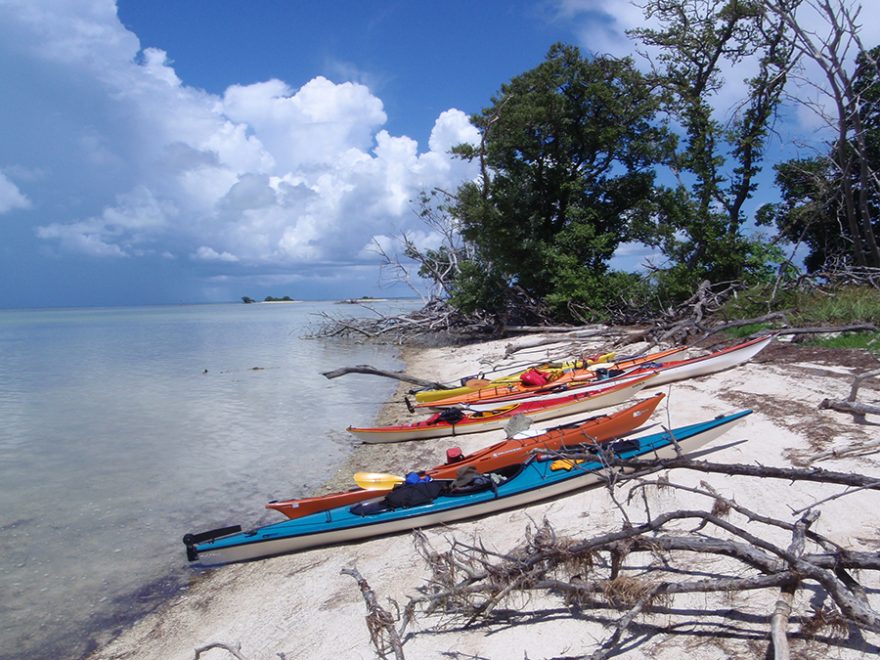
(766, 318)
(781, 316)
(857, 383)
(851, 450)
(468, 582)
(235, 650)
(782, 609)
(813, 474)
(534, 566)
(527, 329)
(372, 371)
(821, 330)
(436, 318)
(380, 622)
(850, 405)
(570, 335)
(623, 624)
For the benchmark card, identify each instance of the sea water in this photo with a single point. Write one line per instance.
(121, 429)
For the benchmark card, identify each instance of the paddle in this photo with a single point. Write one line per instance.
(385, 481)
(377, 480)
(381, 480)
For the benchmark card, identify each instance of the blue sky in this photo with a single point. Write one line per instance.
(200, 151)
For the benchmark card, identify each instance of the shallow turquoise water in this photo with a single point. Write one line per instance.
(123, 428)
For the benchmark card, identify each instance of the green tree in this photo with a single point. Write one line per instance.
(865, 145)
(718, 161)
(810, 212)
(567, 155)
(832, 203)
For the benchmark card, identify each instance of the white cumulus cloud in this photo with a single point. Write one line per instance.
(10, 196)
(275, 173)
(132, 227)
(451, 129)
(205, 253)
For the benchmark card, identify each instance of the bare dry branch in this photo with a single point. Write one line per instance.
(373, 371)
(782, 609)
(850, 405)
(468, 582)
(380, 622)
(235, 650)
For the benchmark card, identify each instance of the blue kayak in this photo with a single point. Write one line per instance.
(518, 485)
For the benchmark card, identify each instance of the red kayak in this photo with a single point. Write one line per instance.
(458, 422)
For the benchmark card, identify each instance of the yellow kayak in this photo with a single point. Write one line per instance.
(427, 396)
(506, 390)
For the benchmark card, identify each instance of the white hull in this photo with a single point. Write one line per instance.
(710, 364)
(589, 403)
(701, 366)
(293, 544)
(550, 396)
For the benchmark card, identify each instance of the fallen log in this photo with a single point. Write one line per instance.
(373, 371)
(851, 405)
(858, 327)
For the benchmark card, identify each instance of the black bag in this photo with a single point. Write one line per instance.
(616, 447)
(451, 415)
(406, 495)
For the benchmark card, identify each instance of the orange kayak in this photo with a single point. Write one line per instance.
(564, 378)
(601, 428)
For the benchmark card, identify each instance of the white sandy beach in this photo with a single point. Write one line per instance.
(301, 606)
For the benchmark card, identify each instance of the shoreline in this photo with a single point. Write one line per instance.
(166, 590)
(393, 457)
(301, 605)
(172, 588)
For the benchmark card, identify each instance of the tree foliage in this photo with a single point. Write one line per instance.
(702, 231)
(570, 153)
(831, 203)
(567, 156)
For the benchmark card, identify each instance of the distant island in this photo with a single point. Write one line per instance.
(247, 300)
(362, 299)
